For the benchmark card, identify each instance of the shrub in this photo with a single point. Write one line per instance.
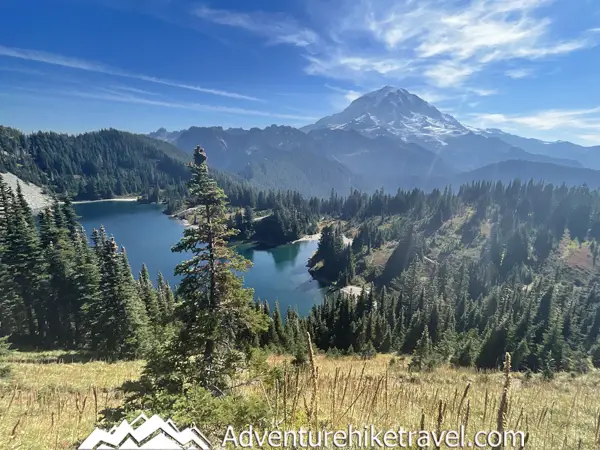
(197, 406)
(548, 369)
(300, 356)
(4, 351)
(333, 353)
(368, 352)
(424, 357)
(596, 356)
(581, 363)
(466, 354)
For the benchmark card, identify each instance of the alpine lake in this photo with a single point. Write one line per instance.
(277, 274)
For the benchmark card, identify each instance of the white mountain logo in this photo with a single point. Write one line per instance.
(148, 434)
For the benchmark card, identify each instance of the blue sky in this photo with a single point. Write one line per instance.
(526, 66)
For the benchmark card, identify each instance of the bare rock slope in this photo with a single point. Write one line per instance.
(35, 195)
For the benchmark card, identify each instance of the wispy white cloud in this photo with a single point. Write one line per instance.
(519, 73)
(447, 42)
(592, 139)
(22, 70)
(430, 95)
(90, 66)
(341, 97)
(117, 88)
(349, 94)
(481, 92)
(277, 28)
(358, 68)
(448, 73)
(456, 41)
(109, 95)
(548, 120)
(553, 122)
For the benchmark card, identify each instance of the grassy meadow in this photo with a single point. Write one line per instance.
(52, 400)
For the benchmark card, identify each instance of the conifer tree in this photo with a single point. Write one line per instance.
(215, 311)
(149, 297)
(86, 282)
(270, 337)
(9, 300)
(25, 263)
(166, 299)
(119, 320)
(279, 332)
(70, 219)
(248, 222)
(422, 355)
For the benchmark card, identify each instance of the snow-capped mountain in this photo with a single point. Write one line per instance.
(387, 138)
(394, 112)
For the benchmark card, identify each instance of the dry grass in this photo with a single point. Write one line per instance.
(579, 256)
(561, 414)
(380, 256)
(53, 405)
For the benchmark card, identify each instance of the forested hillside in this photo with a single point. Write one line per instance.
(462, 276)
(90, 166)
(57, 291)
(465, 277)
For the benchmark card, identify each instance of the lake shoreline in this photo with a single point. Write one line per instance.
(257, 244)
(329, 285)
(117, 199)
(278, 273)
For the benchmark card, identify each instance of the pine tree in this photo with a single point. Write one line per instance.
(119, 320)
(278, 329)
(166, 299)
(25, 262)
(71, 219)
(9, 300)
(149, 296)
(248, 222)
(215, 311)
(269, 336)
(86, 283)
(423, 354)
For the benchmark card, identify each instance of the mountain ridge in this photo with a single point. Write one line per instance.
(397, 113)
(93, 165)
(386, 138)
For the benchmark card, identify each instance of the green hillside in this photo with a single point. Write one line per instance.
(95, 165)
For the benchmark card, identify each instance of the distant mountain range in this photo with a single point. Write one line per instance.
(587, 156)
(387, 138)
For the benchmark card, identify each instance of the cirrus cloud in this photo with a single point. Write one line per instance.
(582, 124)
(91, 66)
(447, 42)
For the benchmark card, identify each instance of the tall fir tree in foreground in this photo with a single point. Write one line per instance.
(215, 313)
